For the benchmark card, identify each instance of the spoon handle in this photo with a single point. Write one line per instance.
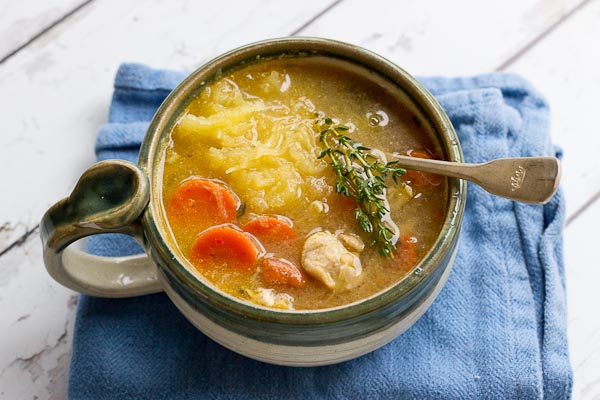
(527, 179)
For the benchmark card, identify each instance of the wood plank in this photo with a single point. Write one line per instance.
(36, 325)
(565, 66)
(58, 89)
(583, 275)
(20, 21)
(441, 38)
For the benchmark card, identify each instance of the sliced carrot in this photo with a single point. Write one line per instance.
(224, 245)
(270, 229)
(277, 270)
(422, 178)
(202, 202)
(406, 253)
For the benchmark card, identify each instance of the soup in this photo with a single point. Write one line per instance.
(264, 201)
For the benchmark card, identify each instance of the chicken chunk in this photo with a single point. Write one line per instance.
(269, 298)
(351, 242)
(325, 257)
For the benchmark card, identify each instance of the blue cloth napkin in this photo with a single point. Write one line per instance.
(497, 330)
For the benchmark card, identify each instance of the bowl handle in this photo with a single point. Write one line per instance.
(110, 197)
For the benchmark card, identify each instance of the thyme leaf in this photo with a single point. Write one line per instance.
(361, 175)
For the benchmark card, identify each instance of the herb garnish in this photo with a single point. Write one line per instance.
(361, 175)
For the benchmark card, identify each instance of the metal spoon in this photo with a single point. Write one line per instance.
(527, 179)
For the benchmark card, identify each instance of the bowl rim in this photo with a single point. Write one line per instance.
(152, 146)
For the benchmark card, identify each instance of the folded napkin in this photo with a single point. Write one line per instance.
(497, 330)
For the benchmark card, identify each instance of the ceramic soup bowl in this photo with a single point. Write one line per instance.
(116, 196)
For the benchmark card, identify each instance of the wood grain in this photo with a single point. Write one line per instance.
(566, 69)
(583, 301)
(22, 21)
(442, 38)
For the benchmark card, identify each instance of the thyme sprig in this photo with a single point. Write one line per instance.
(361, 175)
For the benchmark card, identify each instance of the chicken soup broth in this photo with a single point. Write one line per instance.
(254, 200)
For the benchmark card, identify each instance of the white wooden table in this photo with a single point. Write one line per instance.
(57, 63)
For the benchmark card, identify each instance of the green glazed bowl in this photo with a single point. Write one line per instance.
(117, 196)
